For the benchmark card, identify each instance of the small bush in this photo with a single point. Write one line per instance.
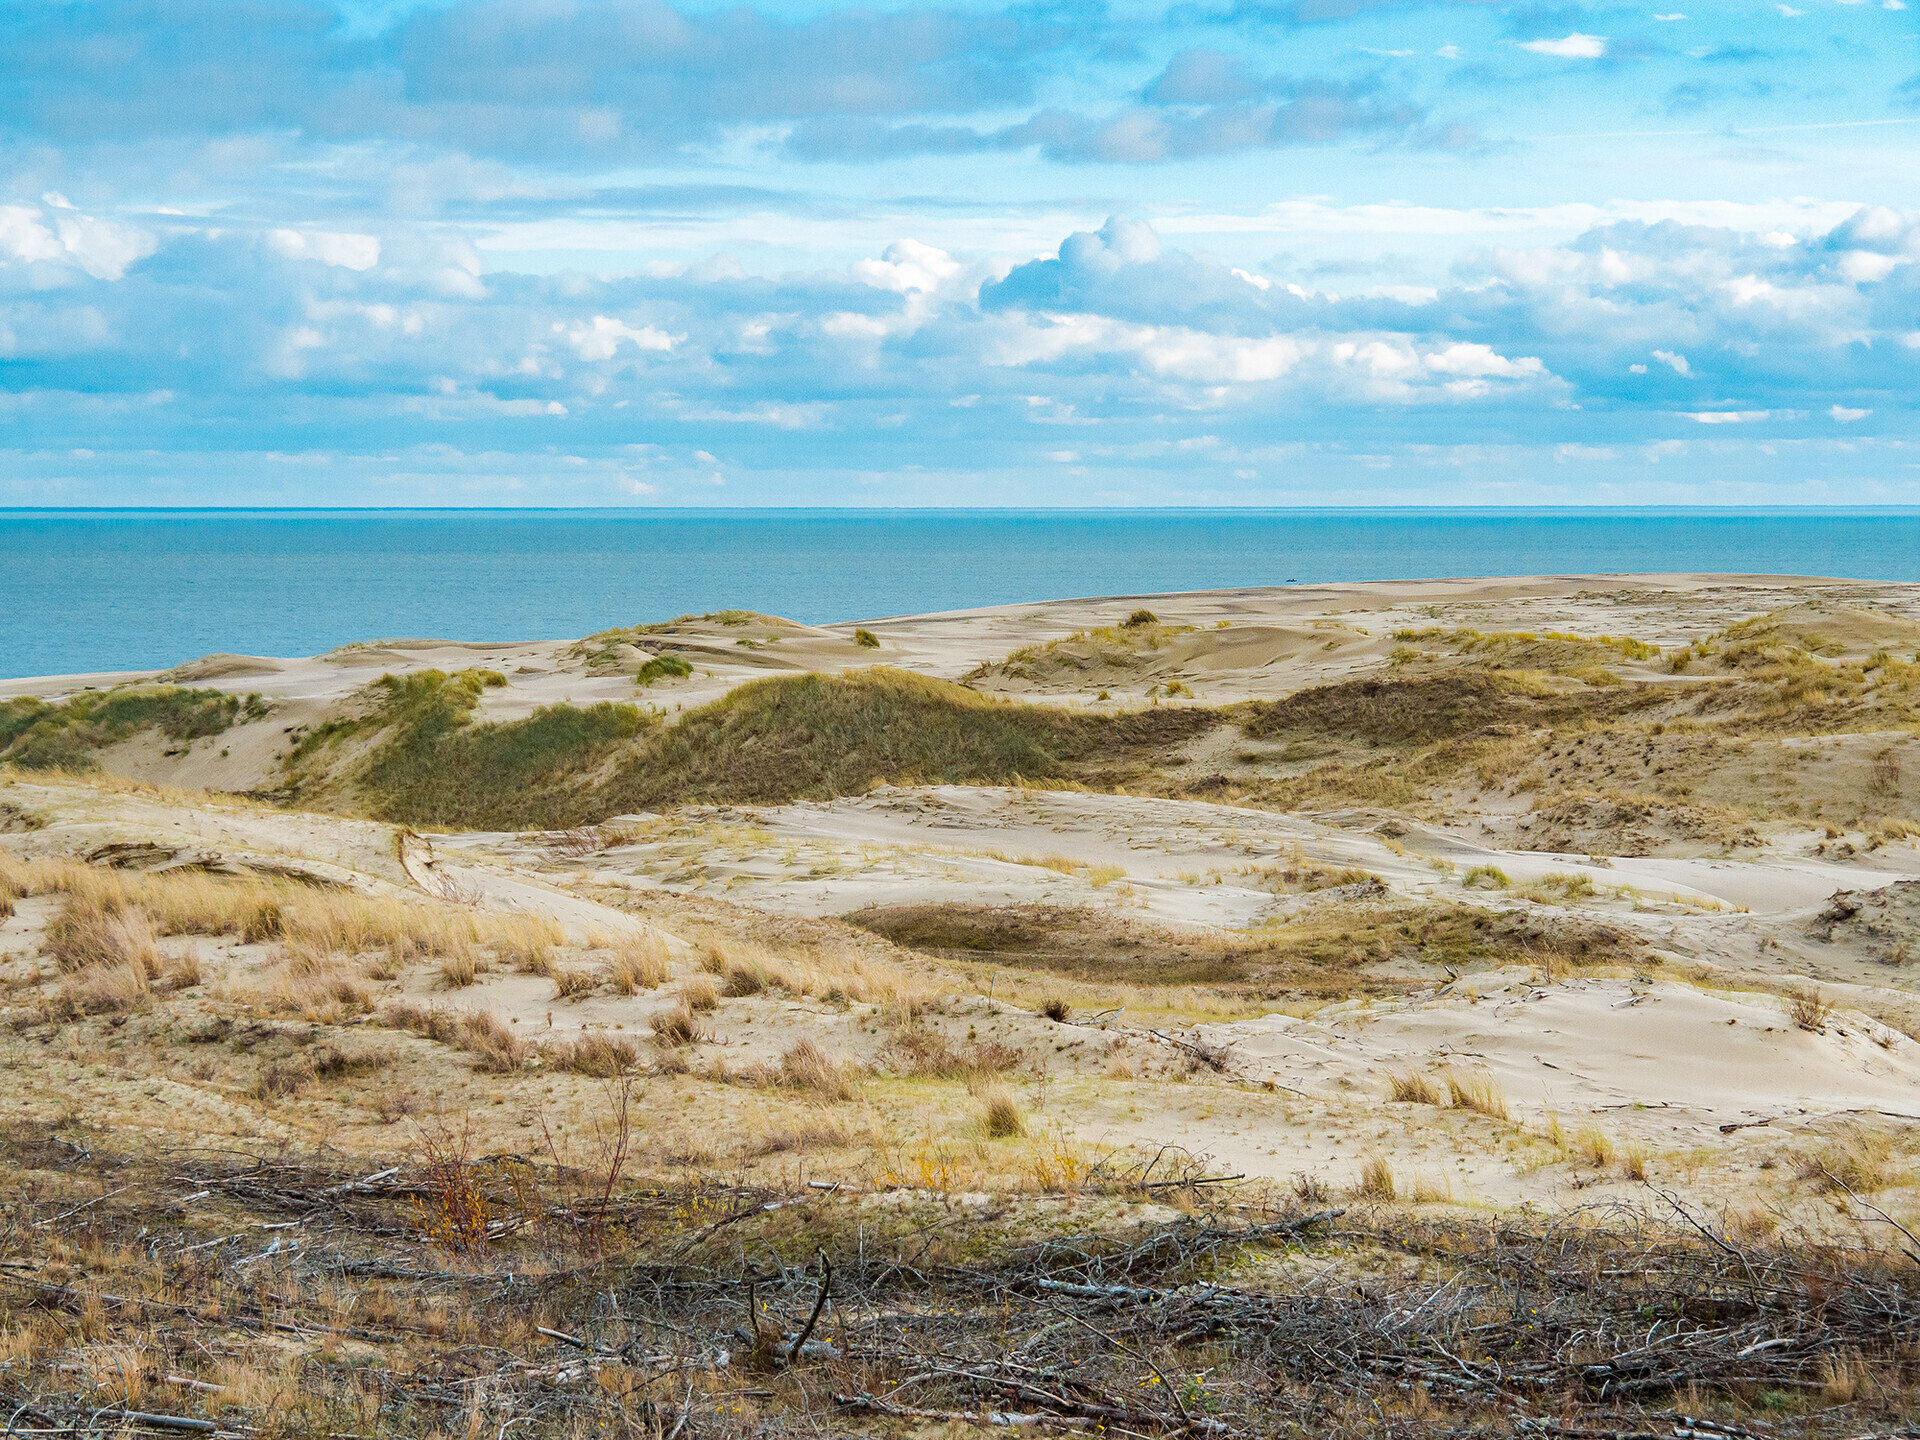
(866, 639)
(666, 666)
(483, 1034)
(1001, 1113)
(1139, 618)
(1486, 877)
(1810, 1010)
(1056, 1009)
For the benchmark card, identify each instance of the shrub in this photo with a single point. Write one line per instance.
(1486, 877)
(1056, 1009)
(866, 639)
(666, 666)
(1001, 1113)
(1810, 1010)
(1139, 618)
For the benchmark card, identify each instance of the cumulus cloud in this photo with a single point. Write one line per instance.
(1624, 341)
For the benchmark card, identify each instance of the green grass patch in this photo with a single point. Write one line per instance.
(36, 735)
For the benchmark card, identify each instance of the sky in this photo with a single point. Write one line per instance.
(1052, 253)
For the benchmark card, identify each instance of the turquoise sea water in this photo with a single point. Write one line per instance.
(83, 591)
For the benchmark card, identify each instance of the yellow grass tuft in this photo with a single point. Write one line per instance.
(674, 1025)
(1477, 1093)
(638, 962)
(1000, 1114)
(807, 1067)
(1414, 1089)
(1376, 1179)
(573, 984)
(598, 1054)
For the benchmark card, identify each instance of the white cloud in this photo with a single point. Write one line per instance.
(103, 249)
(1463, 358)
(1847, 416)
(1729, 417)
(1574, 47)
(1448, 52)
(331, 247)
(1669, 18)
(907, 266)
(1674, 362)
(600, 338)
(1787, 12)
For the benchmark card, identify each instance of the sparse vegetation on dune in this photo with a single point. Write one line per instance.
(36, 735)
(1343, 951)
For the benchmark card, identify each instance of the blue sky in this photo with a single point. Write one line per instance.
(1203, 252)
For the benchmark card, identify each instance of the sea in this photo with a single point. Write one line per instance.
(87, 591)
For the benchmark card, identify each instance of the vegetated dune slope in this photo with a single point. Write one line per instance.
(1455, 897)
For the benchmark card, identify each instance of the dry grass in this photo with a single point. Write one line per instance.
(483, 1034)
(1000, 1114)
(1633, 1162)
(1376, 1179)
(323, 991)
(573, 984)
(673, 1026)
(824, 972)
(1414, 1089)
(1856, 1158)
(699, 995)
(597, 1054)
(818, 1131)
(527, 942)
(638, 962)
(1593, 1147)
(1477, 1093)
(917, 1051)
(459, 971)
(809, 1068)
(1809, 1009)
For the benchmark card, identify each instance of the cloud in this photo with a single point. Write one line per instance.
(1623, 340)
(1571, 47)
